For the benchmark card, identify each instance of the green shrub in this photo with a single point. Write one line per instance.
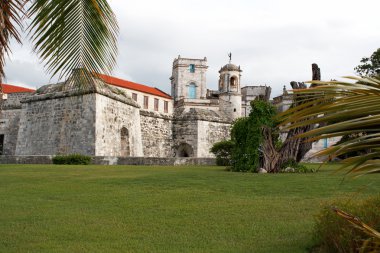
(298, 167)
(333, 233)
(222, 150)
(72, 159)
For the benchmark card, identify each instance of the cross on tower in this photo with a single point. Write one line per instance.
(230, 56)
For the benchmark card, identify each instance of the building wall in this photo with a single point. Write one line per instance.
(111, 117)
(10, 120)
(9, 126)
(250, 93)
(230, 104)
(156, 131)
(185, 134)
(210, 133)
(12, 100)
(319, 146)
(140, 101)
(59, 125)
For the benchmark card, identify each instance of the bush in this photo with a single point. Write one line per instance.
(298, 167)
(333, 233)
(76, 159)
(222, 150)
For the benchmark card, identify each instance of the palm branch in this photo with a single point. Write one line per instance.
(11, 13)
(74, 34)
(370, 245)
(341, 108)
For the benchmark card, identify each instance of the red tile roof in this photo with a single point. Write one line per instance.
(7, 88)
(133, 86)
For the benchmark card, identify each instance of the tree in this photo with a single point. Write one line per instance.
(247, 136)
(293, 149)
(66, 34)
(349, 108)
(370, 66)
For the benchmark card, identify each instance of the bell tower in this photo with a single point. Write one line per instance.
(230, 90)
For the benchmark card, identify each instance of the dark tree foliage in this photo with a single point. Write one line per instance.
(222, 150)
(247, 135)
(370, 65)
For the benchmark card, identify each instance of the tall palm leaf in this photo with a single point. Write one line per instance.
(11, 13)
(67, 34)
(342, 108)
(73, 34)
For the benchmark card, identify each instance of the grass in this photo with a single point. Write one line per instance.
(62, 208)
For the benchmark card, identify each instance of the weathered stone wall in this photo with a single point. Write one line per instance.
(9, 126)
(250, 93)
(156, 131)
(13, 100)
(185, 132)
(196, 130)
(111, 117)
(62, 124)
(210, 133)
(230, 105)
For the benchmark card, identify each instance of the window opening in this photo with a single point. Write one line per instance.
(192, 90)
(146, 102)
(156, 104)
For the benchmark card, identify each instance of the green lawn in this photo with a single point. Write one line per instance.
(47, 208)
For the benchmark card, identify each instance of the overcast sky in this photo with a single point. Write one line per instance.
(273, 41)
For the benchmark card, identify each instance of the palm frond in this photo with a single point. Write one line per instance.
(370, 245)
(11, 13)
(74, 34)
(341, 108)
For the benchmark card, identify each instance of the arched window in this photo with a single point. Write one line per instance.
(184, 150)
(124, 142)
(192, 90)
(233, 82)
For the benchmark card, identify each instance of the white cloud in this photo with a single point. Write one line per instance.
(274, 41)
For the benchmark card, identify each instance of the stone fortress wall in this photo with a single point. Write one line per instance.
(156, 132)
(50, 126)
(10, 121)
(107, 120)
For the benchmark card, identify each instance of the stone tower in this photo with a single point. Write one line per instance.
(230, 90)
(188, 78)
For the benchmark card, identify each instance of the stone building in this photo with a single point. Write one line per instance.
(113, 117)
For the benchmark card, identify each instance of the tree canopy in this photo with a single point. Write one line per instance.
(370, 65)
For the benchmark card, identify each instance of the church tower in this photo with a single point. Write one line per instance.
(188, 80)
(230, 90)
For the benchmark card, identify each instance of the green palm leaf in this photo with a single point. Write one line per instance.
(11, 13)
(74, 34)
(341, 108)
